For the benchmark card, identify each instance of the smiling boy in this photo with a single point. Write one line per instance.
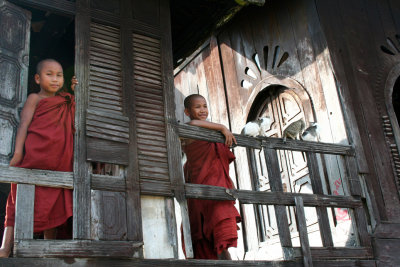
(44, 141)
(213, 223)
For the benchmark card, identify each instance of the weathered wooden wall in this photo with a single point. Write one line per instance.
(345, 57)
(363, 39)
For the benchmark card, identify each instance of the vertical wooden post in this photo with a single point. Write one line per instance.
(256, 184)
(133, 203)
(81, 218)
(173, 143)
(24, 209)
(302, 225)
(322, 213)
(274, 176)
(355, 190)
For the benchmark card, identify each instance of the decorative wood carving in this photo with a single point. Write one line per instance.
(14, 54)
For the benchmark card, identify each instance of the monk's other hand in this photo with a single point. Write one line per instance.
(229, 137)
(74, 82)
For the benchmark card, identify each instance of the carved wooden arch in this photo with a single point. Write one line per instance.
(392, 77)
(287, 82)
(390, 122)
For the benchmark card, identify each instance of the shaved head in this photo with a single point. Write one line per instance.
(188, 100)
(40, 65)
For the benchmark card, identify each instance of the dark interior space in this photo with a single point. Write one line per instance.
(52, 36)
(396, 99)
(194, 21)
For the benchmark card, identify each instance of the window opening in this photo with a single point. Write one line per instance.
(51, 36)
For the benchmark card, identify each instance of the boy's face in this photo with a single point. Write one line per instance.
(50, 78)
(198, 109)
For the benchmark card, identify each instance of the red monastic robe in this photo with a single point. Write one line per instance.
(213, 223)
(49, 145)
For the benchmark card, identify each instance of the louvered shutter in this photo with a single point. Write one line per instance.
(107, 126)
(150, 120)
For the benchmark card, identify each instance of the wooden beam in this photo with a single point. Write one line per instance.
(36, 177)
(268, 198)
(193, 132)
(76, 248)
(82, 196)
(322, 212)
(93, 262)
(303, 234)
(161, 188)
(275, 180)
(24, 209)
(133, 204)
(59, 6)
(337, 253)
(173, 143)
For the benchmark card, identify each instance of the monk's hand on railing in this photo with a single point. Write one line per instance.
(229, 137)
(16, 159)
(74, 82)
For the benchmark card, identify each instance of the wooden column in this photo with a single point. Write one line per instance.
(322, 213)
(81, 218)
(24, 209)
(133, 205)
(302, 225)
(274, 176)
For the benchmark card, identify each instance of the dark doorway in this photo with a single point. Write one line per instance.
(51, 36)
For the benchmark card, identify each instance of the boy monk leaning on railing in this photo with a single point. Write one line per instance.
(45, 140)
(212, 222)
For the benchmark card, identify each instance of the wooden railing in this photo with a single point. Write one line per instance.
(281, 199)
(26, 247)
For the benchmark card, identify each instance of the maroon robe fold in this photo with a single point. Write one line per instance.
(49, 145)
(213, 223)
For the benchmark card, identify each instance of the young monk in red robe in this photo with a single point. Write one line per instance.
(44, 141)
(213, 223)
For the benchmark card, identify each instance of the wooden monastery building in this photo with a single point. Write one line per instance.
(330, 202)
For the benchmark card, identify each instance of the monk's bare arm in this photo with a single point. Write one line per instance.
(229, 138)
(26, 118)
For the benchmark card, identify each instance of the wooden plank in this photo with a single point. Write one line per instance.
(274, 176)
(362, 227)
(387, 230)
(108, 183)
(76, 248)
(173, 142)
(194, 132)
(156, 188)
(107, 151)
(112, 183)
(107, 115)
(303, 235)
(81, 193)
(24, 208)
(337, 253)
(107, 129)
(387, 252)
(106, 262)
(92, 133)
(117, 184)
(133, 203)
(352, 176)
(37, 177)
(322, 212)
(60, 6)
(268, 198)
